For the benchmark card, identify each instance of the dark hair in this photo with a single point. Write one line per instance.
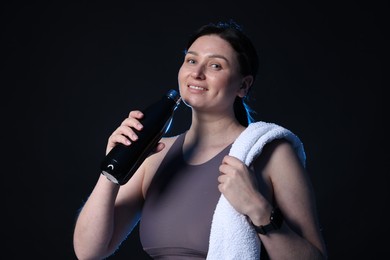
(247, 58)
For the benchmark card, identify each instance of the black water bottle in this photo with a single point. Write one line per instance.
(122, 161)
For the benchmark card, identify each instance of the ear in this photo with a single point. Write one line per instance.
(246, 84)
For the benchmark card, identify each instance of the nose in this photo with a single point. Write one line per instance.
(198, 72)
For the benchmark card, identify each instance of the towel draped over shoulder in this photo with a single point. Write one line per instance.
(232, 237)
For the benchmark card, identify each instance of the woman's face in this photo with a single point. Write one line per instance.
(209, 78)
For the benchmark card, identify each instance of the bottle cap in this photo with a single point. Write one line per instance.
(174, 95)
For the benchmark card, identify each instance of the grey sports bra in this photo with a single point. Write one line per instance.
(179, 206)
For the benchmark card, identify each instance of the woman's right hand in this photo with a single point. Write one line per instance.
(124, 134)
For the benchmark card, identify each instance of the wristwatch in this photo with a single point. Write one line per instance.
(276, 220)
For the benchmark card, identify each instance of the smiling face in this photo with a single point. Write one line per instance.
(209, 78)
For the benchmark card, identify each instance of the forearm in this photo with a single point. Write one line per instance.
(95, 223)
(286, 244)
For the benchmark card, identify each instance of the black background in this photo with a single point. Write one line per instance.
(72, 71)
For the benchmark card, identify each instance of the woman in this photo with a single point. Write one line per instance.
(175, 191)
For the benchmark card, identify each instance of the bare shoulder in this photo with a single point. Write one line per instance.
(274, 164)
(278, 145)
(278, 153)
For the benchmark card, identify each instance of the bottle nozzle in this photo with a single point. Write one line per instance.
(173, 94)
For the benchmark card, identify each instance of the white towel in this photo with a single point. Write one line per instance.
(232, 237)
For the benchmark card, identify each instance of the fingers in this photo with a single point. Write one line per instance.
(126, 133)
(136, 114)
(158, 148)
(231, 166)
(133, 120)
(231, 160)
(130, 123)
(233, 172)
(227, 172)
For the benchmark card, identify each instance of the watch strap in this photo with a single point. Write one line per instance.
(276, 220)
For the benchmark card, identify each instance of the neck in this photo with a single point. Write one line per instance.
(209, 130)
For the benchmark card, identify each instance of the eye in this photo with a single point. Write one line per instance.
(190, 61)
(215, 66)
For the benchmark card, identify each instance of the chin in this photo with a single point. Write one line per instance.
(186, 102)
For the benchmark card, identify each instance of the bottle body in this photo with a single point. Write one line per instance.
(122, 161)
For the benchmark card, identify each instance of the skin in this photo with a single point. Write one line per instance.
(209, 80)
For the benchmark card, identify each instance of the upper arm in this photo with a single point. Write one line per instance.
(292, 190)
(127, 208)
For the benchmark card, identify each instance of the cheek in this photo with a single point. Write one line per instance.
(181, 81)
(234, 83)
(222, 83)
(180, 74)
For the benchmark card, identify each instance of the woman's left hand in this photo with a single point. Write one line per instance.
(238, 184)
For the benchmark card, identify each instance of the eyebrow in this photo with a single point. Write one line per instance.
(210, 56)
